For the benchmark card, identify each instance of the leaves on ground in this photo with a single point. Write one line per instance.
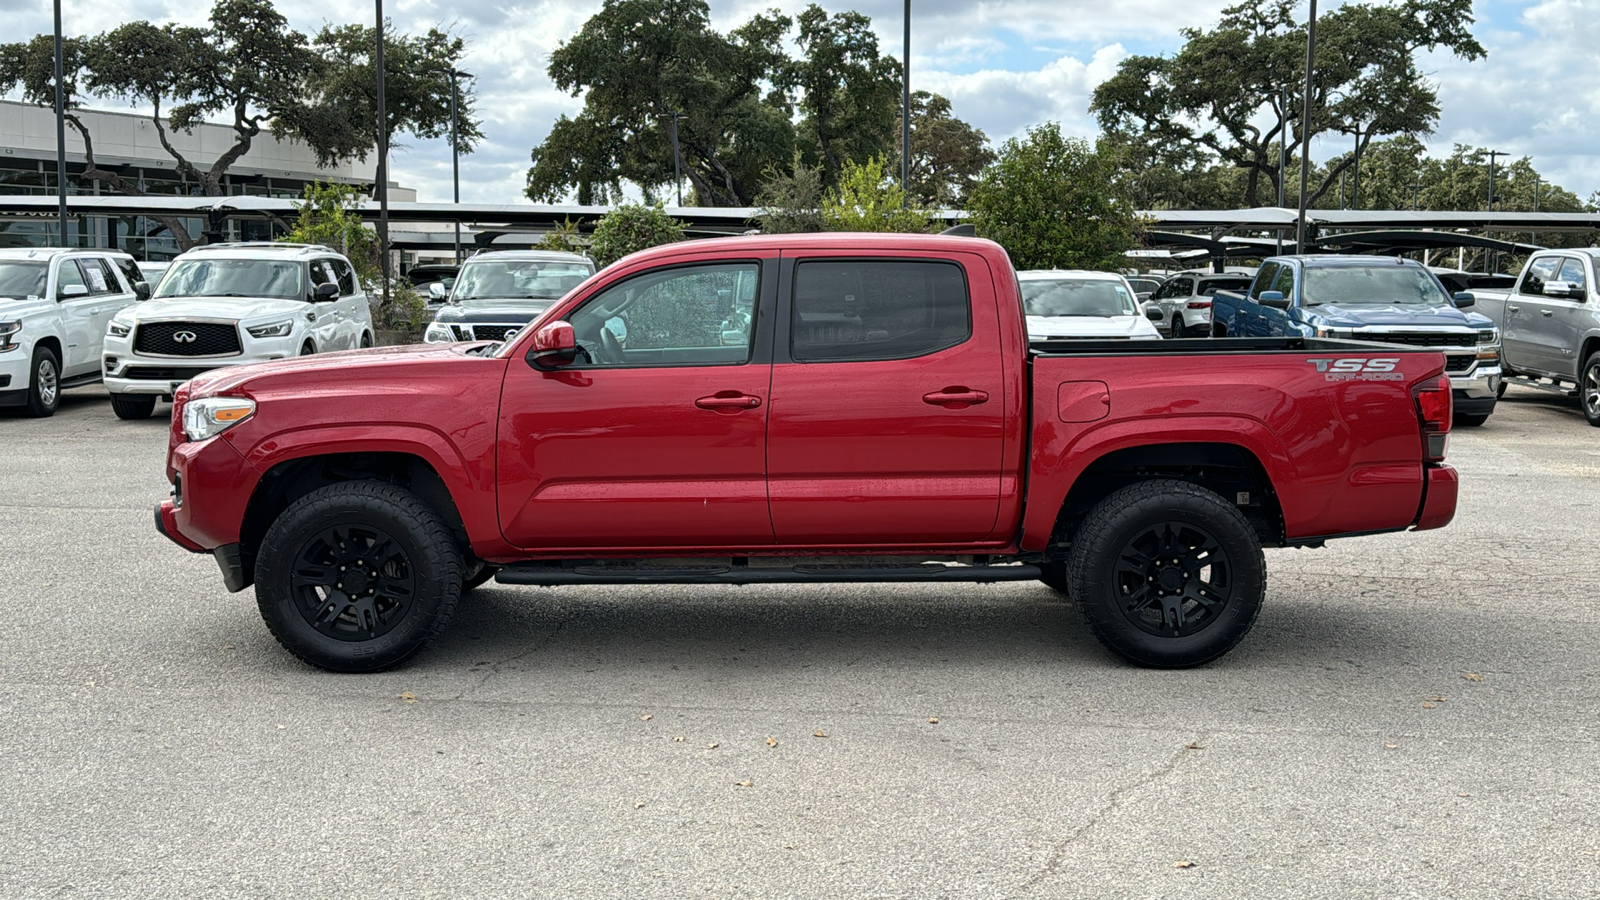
(772, 742)
(1183, 864)
(1391, 746)
(646, 717)
(1471, 676)
(745, 783)
(712, 746)
(1427, 705)
(1193, 745)
(819, 733)
(933, 720)
(408, 697)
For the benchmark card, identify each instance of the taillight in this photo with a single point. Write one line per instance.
(1433, 412)
(1198, 304)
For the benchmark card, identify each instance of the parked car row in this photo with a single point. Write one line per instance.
(74, 317)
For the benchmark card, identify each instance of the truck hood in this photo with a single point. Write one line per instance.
(1365, 315)
(502, 312)
(319, 368)
(227, 308)
(11, 309)
(1136, 327)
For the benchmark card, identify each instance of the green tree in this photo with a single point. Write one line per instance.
(867, 199)
(849, 95)
(326, 214)
(947, 154)
(1055, 202)
(249, 69)
(1215, 93)
(630, 228)
(636, 62)
(791, 202)
(563, 238)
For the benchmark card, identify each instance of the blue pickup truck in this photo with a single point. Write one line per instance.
(1370, 298)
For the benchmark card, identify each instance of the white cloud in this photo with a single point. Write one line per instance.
(1006, 102)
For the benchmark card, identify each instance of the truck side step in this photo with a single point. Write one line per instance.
(1539, 384)
(556, 574)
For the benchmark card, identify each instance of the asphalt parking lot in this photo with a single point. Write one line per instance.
(1415, 715)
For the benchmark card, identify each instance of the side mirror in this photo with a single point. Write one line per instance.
(1464, 300)
(554, 345)
(327, 292)
(141, 289)
(1565, 289)
(72, 290)
(1274, 299)
(437, 293)
(1153, 313)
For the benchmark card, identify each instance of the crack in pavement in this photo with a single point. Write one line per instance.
(1112, 804)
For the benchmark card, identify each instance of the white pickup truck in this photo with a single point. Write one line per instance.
(55, 306)
(1550, 325)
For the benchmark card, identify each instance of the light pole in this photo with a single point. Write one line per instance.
(61, 138)
(677, 177)
(1283, 153)
(1305, 128)
(1492, 155)
(1355, 176)
(905, 111)
(383, 164)
(455, 156)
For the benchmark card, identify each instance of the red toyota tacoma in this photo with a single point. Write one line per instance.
(805, 409)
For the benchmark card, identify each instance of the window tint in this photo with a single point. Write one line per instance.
(322, 272)
(1210, 288)
(1542, 270)
(130, 271)
(99, 276)
(347, 277)
(878, 310)
(1185, 287)
(1263, 279)
(691, 316)
(68, 275)
(1573, 274)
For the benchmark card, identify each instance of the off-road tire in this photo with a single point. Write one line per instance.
(44, 383)
(308, 545)
(1103, 581)
(132, 406)
(1589, 389)
(479, 577)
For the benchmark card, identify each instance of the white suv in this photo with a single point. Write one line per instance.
(229, 304)
(54, 307)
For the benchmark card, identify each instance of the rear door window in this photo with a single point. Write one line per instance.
(856, 310)
(1572, 273)
(347, 277)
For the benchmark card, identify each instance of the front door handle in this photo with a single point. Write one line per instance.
(1514, 308)
(729, 400)
(955, 396)
(1547, 313)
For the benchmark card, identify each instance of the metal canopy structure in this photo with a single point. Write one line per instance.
(1390, 242)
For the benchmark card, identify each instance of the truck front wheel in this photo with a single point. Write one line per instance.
(1167, 574)
(357, 576)
(1589, 389)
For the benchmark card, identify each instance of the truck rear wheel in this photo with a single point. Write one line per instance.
(1167, 574)
(357, 576)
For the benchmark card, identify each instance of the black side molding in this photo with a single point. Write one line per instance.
(556, 574)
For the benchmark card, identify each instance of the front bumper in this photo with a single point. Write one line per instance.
(15, 366)
(127, 372)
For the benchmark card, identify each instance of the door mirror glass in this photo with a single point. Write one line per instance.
(141, 289)
(1154, 314)
(1274, 299)
(326, 292)
(1464, 300)
(437, 293)
(554, 345)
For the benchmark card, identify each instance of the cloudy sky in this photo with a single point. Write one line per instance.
(1005, 65)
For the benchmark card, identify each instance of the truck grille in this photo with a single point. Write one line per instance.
(1459, 363)
(187, 339)
(1418, 339)
(493, 332)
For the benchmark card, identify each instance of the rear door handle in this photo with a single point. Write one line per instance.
(728, 400)
(1547, 312)
(1514, 308)
(954, 396)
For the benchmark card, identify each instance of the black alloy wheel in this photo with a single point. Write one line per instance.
(1167, 574)
(1589, 389)
(358, 576)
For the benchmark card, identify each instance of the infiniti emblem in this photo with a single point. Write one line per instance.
(184, 337)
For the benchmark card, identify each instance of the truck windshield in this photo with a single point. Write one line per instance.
(1076, 297)
(233, 278)
(20, 280)
(1376, 285)
(518, 279)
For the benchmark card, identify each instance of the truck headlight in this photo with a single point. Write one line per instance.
(276, 329)
(438, 333)
(8, 330)
(210, 416)
(1488, 336)
(118, 329)
(1325, 332)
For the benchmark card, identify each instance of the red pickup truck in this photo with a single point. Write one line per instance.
(819, 408)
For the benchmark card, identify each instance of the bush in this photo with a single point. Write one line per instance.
(866, 199)
(790, 203)
(630, 228)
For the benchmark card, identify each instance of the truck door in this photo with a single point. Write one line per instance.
(888, 404)
(1559, 326)
(1276, 322)
(1517, 336)
(79, 307)
(656, 437)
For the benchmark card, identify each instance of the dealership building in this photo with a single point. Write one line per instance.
(129, 145)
